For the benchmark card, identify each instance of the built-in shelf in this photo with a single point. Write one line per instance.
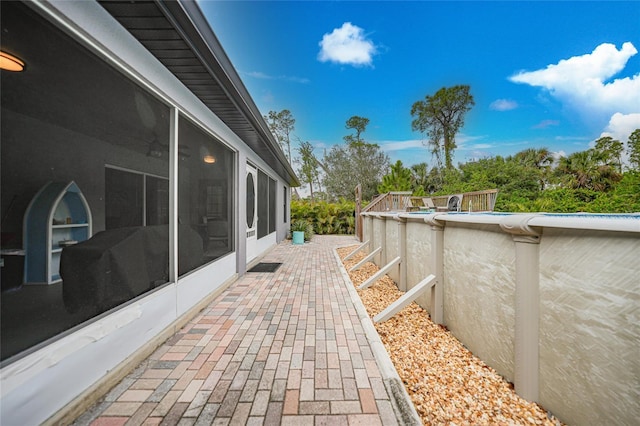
(71, 225)
(58, 213)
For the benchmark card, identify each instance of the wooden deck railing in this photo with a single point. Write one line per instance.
(477, 201)
(390, 202)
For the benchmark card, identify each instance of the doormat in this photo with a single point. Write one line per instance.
(265, 267)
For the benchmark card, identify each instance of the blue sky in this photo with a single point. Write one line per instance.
(542, 74)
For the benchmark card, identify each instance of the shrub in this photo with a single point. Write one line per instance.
(325, 218)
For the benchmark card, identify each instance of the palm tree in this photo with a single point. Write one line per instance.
(538, 158)
(587, 169)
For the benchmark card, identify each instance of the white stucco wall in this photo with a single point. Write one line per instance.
(56, 374)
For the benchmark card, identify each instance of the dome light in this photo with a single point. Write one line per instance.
(10, 63)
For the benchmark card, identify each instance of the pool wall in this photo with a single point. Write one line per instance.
(552, 302)
(479, 267)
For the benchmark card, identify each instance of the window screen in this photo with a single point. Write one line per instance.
(272, 205)
(284, 204)
(86, 222)
(263, 204)
(205, 197)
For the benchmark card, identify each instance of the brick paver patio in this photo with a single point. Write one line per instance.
(274, 348)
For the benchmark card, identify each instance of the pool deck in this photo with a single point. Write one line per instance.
(291, 347)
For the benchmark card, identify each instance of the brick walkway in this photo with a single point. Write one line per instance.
(274, 348)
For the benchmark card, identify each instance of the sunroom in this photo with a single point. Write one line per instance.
(138, 180)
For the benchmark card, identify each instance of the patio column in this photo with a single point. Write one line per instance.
(437, 268)
(527, 303)
(241, 205)
(173, 195)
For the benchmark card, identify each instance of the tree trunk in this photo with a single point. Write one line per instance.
(447, 152)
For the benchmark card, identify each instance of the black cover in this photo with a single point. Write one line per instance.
(116, 265)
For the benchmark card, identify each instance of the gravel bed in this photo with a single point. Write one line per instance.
(446, 382)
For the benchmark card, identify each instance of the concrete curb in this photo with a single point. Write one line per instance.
(406, 413)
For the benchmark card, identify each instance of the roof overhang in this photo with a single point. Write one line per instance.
(178, 34)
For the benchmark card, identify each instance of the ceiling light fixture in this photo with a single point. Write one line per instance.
(155, 149)
(209, 159)
(10, 63)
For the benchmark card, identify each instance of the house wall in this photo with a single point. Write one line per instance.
(57, 374)
(580, 359)
(37, 385)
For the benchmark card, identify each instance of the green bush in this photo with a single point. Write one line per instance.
(624, 198)
(325, 218)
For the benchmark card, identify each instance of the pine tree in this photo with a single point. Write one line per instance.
(398, 180)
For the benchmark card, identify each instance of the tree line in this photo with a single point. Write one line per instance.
(335, 175)
(594, 180)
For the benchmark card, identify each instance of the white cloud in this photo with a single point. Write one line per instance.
(263, 76)
(479, 146)
(320, 145)
(258, 74)
(503, 105)
(461, 141)
(621, 126)
(581, 82)
(558, 154)
(347, 45)
(572, 138)
(546, 123)
(295, 79)
(388, 146)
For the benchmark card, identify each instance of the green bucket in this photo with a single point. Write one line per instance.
(298, 237)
